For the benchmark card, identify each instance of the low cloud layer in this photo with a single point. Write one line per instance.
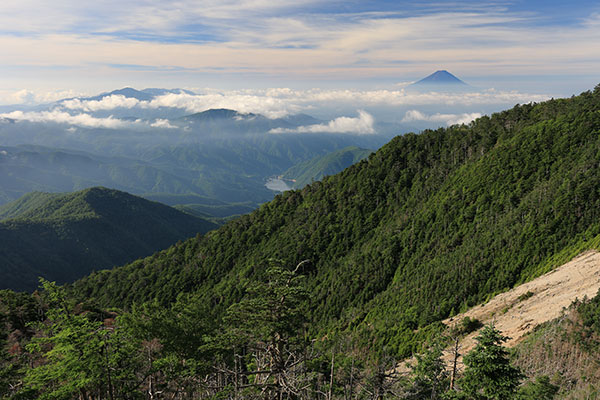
(280, 102)
(162, 123)
(30, 97)
(363, 125)
(241, 101)
(383, 105)
(62, 117)
(447, 119)
(106, 103)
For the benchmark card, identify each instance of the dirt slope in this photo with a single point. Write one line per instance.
(519, 310)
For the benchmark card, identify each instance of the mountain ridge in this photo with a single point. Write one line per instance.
(454, 214)
(65, 236)
(330, 164)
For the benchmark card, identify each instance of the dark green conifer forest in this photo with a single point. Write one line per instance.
(65, 236)
(320, 292)
(455, 215)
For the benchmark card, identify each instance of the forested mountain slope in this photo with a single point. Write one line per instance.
(315, 169)
(220, 155)
(430, 224)
(63, 237)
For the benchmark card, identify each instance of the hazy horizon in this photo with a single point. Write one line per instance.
(67, 48)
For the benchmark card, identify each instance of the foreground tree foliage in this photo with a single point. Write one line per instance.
(79, 355)
(429, 376)
(175, 345)
(78, 351)
(488, 374)
(538, 389)
(265, 330)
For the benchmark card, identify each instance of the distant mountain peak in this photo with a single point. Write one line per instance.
(125, 92)
(162, 92)
(220, 114)
(441, 77)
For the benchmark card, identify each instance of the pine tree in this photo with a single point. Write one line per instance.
(488, 373)
(267, 324)
(79, 356)
(429, 375)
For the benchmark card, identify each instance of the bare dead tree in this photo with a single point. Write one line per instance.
(455, 356)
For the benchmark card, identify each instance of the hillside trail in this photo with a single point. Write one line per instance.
(519, 310)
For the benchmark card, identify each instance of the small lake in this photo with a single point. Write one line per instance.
(277, 185)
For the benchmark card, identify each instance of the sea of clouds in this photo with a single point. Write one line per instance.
(346, 111)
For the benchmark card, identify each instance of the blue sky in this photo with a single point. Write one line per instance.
(66, 47)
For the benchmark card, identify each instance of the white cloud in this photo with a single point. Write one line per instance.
(162, 123)
(448, 119)
(242, 102)
(250, 102)
(84, 120)
(363, 125)
(223, 39)
(62, 117)
(279, 102)
(386, 105)
(406, 98)
(29, 97)
(23, 97)
(106, 103)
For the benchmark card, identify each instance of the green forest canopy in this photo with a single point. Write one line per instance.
(429, 225)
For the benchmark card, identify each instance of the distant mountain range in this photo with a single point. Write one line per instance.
(220, 155)
(224, 120)
(62, 237)
(142, 95)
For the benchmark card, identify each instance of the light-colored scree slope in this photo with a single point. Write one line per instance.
(551, 293)
(517, 311)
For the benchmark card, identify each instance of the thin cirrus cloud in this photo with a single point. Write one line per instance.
(307, 40)
(362, 125)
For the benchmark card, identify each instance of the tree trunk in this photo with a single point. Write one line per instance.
(331, 376)
(454, 362)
